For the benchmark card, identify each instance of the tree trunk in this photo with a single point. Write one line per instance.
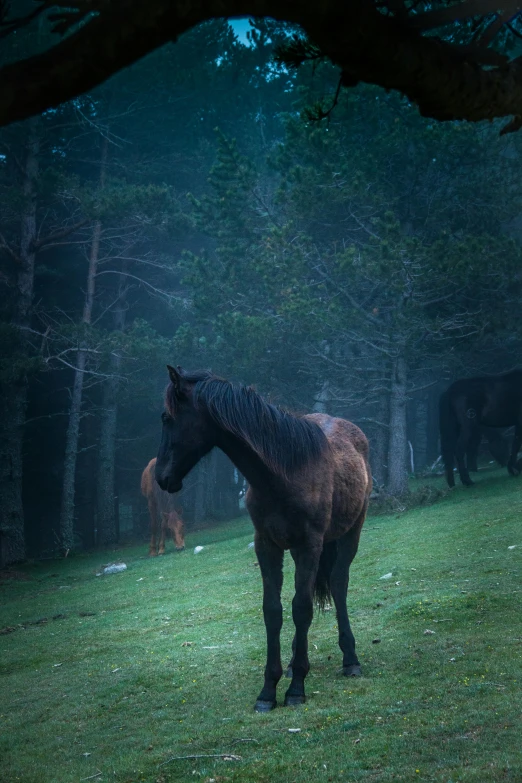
(229, 505)
(398, 441)
(14, 393)
(379, 442)
(432, 430)
(106, 488)
(212, 491)
(73, 429)
(199, 493)
(322, 398)
(12, 536)
(71, 450)
(421, 432)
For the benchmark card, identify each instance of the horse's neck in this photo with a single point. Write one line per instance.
(246, 460)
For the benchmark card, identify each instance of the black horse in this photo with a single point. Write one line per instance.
(309, 483)
(468, 404)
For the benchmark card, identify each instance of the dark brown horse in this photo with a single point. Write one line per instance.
(163, 514)
(309, 487)
(468, 404)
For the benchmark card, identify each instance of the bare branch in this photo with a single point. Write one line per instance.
(57, 235)
(4, 245)
(164, 294)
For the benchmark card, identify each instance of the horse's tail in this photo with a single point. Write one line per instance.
(322, 592)
(449, 431)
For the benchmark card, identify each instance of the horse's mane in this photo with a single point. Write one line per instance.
(284, 441)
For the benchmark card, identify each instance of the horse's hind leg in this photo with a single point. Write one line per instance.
(270, 559)
(178, 530)
(289, 671)
(472, 450)
(513, 467)
(163, 532)
(346, 551)
(306, 560)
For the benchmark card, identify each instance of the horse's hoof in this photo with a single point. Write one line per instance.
(180, 549)
(354, 670)
(289, 672)
(469, 483)
(264, 706)
(153, 554)
(294, 701)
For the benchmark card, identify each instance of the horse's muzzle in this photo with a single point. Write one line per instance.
(169, 485)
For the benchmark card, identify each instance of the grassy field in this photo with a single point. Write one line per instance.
(165, 660)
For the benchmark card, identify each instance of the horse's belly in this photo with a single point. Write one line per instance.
(506, 419)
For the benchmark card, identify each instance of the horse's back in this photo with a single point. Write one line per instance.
(352, 478)
(341, 434)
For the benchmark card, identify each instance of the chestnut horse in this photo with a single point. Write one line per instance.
(163, 514)
(309, 483)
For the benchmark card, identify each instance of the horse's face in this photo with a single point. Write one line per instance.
(186, 436)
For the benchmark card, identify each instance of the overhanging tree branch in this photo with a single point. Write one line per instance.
(446, 81)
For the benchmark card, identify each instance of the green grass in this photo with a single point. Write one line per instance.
(121, 691)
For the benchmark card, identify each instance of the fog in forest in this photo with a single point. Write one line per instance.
(212, 208)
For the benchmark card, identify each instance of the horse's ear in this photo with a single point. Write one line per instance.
(175, 378)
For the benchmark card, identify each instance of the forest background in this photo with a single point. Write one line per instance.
(212, 207)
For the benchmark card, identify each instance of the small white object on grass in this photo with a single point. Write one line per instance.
(197, 549)
(512, 547)
(113, 568)
(386, 576)
(250, 545)
(427, 632)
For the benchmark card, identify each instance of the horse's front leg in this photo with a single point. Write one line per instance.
(270, 559)
(466, 433)
(306, 560)
(515, 448)
(472, 450)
